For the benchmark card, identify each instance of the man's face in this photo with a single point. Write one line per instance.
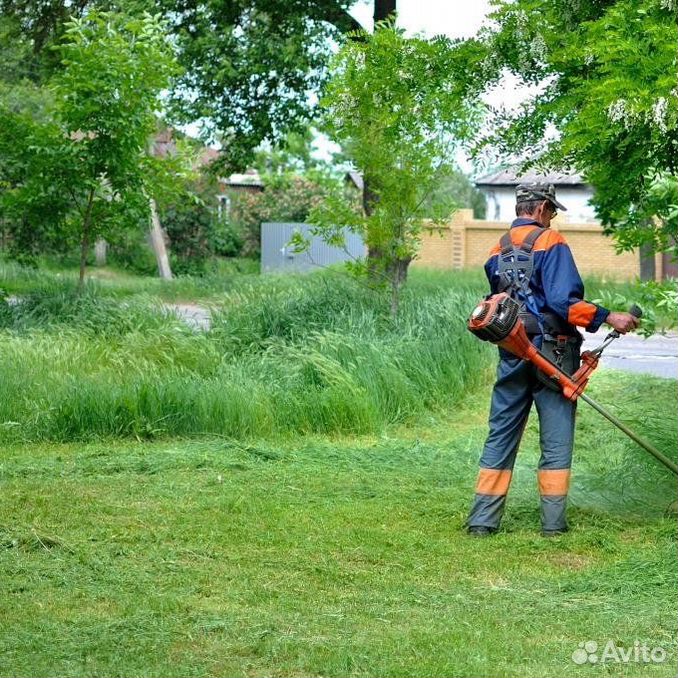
(545, 212)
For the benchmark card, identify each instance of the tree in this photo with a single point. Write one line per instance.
(458, 190)
(248, 65)
(608, 77)
(392, 105)
(86, 174)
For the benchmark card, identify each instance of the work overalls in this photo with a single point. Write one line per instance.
(518, 385)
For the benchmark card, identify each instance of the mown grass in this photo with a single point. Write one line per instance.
(334, 556)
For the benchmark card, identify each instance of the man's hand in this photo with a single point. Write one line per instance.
(622, 322)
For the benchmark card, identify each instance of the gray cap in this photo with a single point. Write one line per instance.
(530, 192)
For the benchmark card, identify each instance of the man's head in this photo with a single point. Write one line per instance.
(538, 202)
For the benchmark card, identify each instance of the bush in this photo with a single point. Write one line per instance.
(286, 198)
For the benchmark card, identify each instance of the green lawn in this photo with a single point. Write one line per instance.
(319, 556)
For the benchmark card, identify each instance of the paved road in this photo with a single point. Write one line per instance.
(657, 355)
(194, 315)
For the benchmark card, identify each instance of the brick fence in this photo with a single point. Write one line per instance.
(466, 242)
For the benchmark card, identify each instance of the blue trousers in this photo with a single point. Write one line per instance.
(516, 388)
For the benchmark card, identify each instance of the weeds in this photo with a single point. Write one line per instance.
(284, 356)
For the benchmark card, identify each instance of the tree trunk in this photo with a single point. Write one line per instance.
(397, 273)
(374, 253)
(158, 243)
(84, 241)
(383, 9)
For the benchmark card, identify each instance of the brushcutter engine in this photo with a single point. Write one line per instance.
(494, 318)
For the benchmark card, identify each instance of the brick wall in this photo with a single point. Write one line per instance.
(466, 242)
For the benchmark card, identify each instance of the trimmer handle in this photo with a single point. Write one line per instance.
(636, 311)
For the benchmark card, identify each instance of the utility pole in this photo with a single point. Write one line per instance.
(158, 243)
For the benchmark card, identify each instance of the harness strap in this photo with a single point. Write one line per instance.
(506, 243)
(530, 239)
(526, 246)
(515, 268)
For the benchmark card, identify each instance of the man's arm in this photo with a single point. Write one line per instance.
(564, 289)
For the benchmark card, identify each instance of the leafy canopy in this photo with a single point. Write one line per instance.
(608, 76)
(250, 67)
(393, 107)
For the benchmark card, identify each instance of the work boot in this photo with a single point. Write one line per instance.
(480, 531)
(554, 533)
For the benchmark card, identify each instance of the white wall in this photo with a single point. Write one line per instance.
(501, 204)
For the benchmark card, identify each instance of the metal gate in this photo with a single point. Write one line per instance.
(278, 256)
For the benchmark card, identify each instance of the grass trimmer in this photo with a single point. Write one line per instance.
(497, 320)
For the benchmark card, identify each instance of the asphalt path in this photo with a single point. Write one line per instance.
(656, 355)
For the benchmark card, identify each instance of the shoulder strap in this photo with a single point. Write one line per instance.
(531, 238)
(506, 244)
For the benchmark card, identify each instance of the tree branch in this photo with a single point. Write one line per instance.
(338, 16)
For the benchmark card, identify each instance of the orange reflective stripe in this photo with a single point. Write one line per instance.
(581, 313)
(545, 241)
(553, 483)
(493, 481)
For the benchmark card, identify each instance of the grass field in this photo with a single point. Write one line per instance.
(334, 556)
(285, 494)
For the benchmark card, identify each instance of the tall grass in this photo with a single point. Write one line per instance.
(283, 356)
(53, 278)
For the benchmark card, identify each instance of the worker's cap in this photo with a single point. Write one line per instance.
(530, 192)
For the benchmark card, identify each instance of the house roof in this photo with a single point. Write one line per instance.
(249, 178)
(511, 178)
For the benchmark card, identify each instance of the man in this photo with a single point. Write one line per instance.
(534, 264)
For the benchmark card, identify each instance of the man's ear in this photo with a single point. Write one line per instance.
(541, 210)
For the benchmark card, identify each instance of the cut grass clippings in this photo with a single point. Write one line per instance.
(336, 556)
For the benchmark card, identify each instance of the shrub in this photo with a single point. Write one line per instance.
(286, 197)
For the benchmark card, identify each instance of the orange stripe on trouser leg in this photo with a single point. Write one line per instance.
(553, 483)
(493, 481)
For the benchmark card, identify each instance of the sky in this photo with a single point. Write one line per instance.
(455, 19)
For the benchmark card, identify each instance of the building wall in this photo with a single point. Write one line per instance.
(501, 203)
(466, 242)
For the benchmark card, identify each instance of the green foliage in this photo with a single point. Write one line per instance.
(248, 80)
(189, 216)
(286, 197)
(393, 106)
(248, 66)
(458, 190)
(659, 302)
(654, 221)
(293, 155)
(21, 75)
(608, 87)
(85, 174)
